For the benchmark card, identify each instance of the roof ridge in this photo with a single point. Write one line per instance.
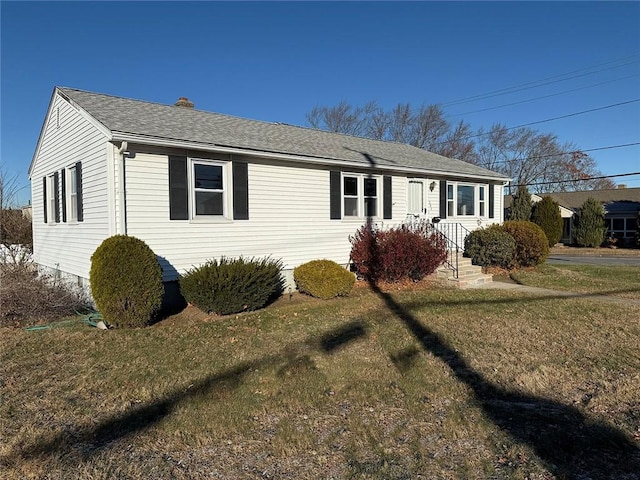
(227, 115)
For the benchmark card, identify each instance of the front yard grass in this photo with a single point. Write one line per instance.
(422, 383)
(618, 281)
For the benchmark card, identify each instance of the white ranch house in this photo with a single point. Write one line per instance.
(196, 185)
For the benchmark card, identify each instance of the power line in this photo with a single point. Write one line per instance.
(542, 82)
(544, 121)
(544, 96)
(573, 180)
(576, 113)
(559, 153)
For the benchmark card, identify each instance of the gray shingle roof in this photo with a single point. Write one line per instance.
(168, 122)
(574, 200)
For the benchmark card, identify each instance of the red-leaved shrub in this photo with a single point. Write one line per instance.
(405, 252)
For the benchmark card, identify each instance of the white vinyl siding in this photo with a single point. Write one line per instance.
(295, 231)
(69, 137)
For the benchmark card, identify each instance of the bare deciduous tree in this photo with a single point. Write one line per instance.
(527, 156)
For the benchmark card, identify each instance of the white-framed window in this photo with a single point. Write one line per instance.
(209, 187)
(482, 201)
(361, 195)
(72, 194)
(466, 200)
(52, 191)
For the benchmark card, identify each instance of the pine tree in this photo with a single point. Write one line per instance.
(590, 230)
(546, 214)
(522, 205)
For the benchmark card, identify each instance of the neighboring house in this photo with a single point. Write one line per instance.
(196, 185)
(621, 208)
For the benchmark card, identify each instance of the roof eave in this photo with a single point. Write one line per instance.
(185, 144)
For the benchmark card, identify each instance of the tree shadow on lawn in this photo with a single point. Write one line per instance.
(86, 441)
(570, 444)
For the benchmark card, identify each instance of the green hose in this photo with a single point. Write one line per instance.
(91, 319)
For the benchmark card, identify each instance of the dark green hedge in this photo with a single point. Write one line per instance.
(232, 285)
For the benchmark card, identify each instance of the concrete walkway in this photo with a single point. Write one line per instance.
(554, 293)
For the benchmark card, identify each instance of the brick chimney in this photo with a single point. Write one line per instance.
(622, 185)
(184, 102)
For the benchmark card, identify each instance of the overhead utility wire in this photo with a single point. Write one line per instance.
(576, 180)
(543, 121)
(559, 153)
(576, 113)
(544, 96)
(542, 82)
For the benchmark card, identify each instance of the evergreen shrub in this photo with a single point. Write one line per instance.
(405, 252)
(589, 228)
(229, 286)
(546, 214)
(490, 247)
(522, 205)
(126, 281)
(323, 279)
(532, 245)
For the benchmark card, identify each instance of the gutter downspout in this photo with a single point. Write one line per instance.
(122, 201)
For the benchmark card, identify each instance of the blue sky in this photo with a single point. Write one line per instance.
(275, 61)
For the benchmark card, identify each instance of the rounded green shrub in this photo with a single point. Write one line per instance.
(232, 285)
(126, 281)
(546, 214)
(323, 279)
(532, 246)
(490, 247)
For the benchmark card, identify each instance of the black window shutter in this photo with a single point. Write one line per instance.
(63, 177)
(491, 199)
(44, 197)
(240, 191)
(387, 197)
(79, 200)
(335, 203)
(56, 192)
(178, 189)
(443, 199)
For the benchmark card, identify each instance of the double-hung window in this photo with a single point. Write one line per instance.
(52, 204)
(209, 187)
(361, 195)
(482, 202)
(351, 197)
(72, 194)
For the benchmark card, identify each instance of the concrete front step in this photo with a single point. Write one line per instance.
(468, 274)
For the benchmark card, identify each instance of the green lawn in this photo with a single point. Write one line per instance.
(427, 383)
(619, 281)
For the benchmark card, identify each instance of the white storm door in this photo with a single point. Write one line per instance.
(415, 202)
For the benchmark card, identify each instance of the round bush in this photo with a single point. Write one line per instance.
(126, 281)
(532, 246)
(232, 285)
(323, 279)
(490, 247)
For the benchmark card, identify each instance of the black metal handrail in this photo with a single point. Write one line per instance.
(455, 235)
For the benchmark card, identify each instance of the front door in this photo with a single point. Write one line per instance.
(416, 200)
